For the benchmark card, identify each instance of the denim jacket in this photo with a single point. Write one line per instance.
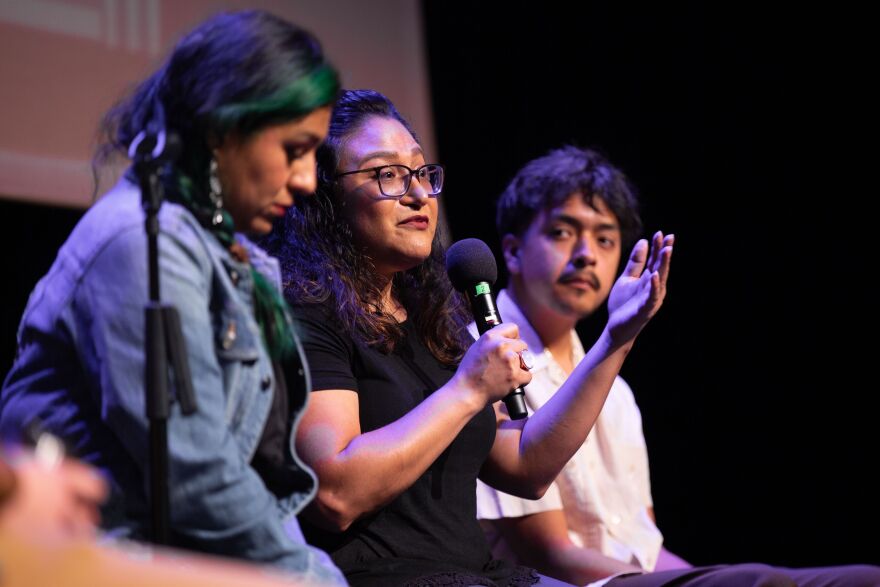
(80, 370)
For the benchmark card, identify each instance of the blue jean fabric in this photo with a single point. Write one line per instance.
(80, 370)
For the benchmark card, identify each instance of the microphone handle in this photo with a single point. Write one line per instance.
(486, 316)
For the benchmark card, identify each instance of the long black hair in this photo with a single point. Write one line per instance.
(237, 73)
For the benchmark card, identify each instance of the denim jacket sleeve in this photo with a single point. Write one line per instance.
(218, 502)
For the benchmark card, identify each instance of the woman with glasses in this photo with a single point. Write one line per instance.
(401, 421)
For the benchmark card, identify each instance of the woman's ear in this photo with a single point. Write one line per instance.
(510, 249)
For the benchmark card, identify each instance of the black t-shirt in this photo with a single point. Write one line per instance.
(273, 460)
(431, 527)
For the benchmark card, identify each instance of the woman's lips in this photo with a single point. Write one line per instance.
(419, 221)
(278, 210)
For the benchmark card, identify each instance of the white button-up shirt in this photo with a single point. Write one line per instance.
(605, 489)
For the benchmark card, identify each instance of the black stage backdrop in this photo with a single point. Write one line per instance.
(756, 380)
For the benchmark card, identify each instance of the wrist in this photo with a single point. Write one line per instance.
(609, 344)
(464, 395)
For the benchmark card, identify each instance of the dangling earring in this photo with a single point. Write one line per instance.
(215, 193)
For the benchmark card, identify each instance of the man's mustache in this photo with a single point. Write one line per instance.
(587, 276)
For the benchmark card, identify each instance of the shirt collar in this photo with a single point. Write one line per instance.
(510, 312)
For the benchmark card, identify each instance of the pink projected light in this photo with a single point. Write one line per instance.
(63, 63)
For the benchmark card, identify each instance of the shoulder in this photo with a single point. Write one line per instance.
(319, 327)
(321, 312)
(330, 351)
(114, 227)
(109, 244)
(621, 387)
(115, 218)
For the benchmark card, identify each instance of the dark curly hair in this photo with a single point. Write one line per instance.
(320, 260)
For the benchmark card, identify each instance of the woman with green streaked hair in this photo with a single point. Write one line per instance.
(249, 97)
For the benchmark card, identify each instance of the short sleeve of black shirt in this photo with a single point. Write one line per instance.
(330, 352)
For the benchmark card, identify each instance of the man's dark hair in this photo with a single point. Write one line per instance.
(548, 181)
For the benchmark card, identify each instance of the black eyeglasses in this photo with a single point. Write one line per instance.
(394, 180)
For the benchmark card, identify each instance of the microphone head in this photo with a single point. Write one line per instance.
(470, 261)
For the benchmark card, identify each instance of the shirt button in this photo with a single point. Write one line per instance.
(234, 276)
(266, 382)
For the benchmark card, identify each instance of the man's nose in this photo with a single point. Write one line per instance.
(583, 255)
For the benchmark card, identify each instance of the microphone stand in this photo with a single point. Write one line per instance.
(163, 341)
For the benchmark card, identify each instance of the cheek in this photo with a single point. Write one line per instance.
(368, 221)
(546, 264)
(538, 272)
(270, 176)
(433, 210)
(237, 190)
(246, 183)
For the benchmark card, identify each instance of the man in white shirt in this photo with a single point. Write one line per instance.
(564, 221)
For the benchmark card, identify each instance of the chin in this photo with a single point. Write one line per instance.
(411, 260)
(419, 251)
(582, 311)
(576, 309)
(258, 229)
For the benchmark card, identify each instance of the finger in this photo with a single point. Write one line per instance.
(658, 293)
(637, 257)
(656, 245)
(665, 262)
(513, 345)
(512, 359)
(523, 378)
(84, 481)
(505, 330)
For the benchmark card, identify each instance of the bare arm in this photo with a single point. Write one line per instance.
(360, 472)
(527, 455)
(541, 541)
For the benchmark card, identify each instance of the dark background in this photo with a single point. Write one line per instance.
(742, 127)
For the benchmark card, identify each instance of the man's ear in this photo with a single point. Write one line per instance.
(510, 249)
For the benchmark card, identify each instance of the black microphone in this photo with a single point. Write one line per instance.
(472, 269)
